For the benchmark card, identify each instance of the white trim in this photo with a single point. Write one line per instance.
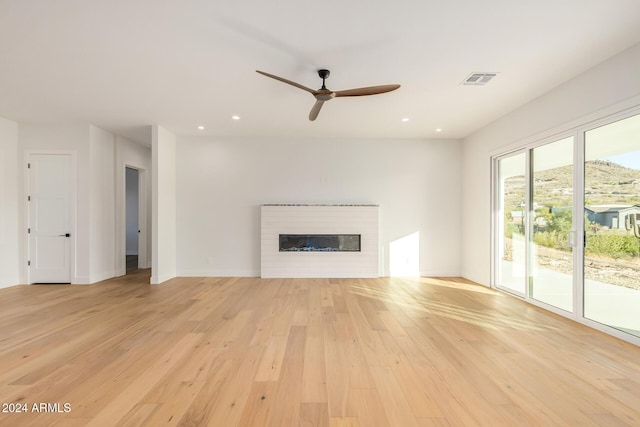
(438, 273)
(526, 218)
(157, 280)
(494, 209)
(578, 224)
(218, 273)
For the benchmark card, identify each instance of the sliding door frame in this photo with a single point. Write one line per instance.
(635, 111)
(495, 227)
(578, 133)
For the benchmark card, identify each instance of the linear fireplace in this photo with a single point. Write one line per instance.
(319, 242)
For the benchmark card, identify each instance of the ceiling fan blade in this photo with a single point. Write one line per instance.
(371, 90)
(289, 82)
(315, 110)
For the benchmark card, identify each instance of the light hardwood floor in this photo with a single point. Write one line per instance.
(254, 352)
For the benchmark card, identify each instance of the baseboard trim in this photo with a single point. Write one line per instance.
(157, 280)
(218, 273)
(431, 273)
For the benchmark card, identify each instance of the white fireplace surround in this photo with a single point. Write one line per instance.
(319, 219)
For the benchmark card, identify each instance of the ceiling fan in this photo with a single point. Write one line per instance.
(323, 94)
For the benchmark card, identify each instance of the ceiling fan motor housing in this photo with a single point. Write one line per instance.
(324, 74)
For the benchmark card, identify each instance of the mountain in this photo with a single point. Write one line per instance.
(606, 183)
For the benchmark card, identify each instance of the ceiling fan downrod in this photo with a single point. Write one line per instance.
(324, 74)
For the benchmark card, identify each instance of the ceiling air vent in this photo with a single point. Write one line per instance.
(478, 79)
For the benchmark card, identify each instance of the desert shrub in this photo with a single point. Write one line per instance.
(551, 239)
(616, 245)
(561, 221)
(510, 229)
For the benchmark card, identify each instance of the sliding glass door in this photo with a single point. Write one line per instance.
(551, 235)
(589, 182)
(612, 225)
(534, 227)
(511, 243)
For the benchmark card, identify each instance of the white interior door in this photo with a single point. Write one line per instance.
(50, 218)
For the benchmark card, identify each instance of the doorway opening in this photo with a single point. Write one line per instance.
(132, 217)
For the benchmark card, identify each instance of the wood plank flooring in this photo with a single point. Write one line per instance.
(304, 352)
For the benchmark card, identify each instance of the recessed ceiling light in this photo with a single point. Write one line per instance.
(438, 130)
(405, 119)
(235, 117)
(200, 127)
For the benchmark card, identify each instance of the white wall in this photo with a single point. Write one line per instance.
(608, 88)
(72, 139)
(9, 220)
(131, 154)
(132, 211)
(221, 183)
(163, 154)
(93, 150)
(102, 204)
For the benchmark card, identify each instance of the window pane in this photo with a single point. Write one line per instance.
(511, 223)
(551, 275)
(612, 225)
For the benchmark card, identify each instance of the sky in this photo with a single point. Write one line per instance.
(629, 160)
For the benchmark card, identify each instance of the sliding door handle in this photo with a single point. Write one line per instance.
(571, 236)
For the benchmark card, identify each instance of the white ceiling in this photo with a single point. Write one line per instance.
(125, 64)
